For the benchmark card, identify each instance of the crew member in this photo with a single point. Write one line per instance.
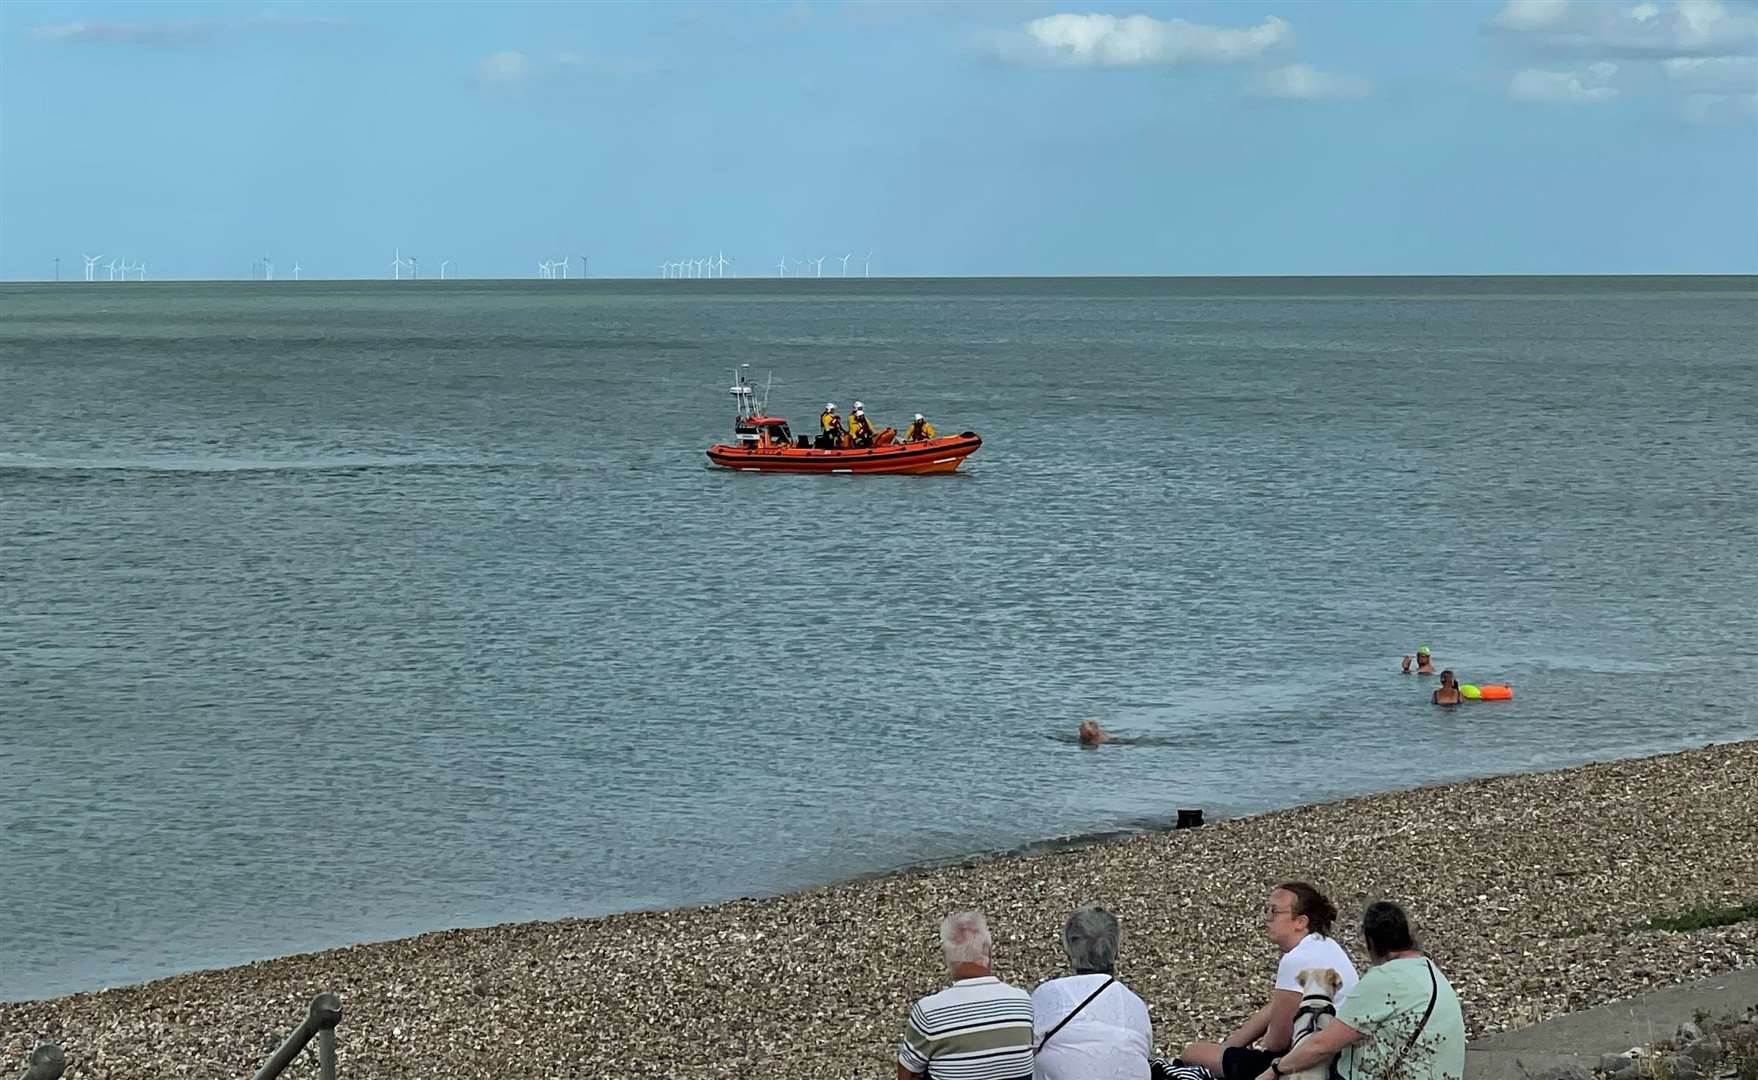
(920, 430)
(860, 429)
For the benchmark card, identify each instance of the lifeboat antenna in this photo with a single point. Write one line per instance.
(768, 385)
(741, 392)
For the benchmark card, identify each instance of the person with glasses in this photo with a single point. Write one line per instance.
(1297, 920)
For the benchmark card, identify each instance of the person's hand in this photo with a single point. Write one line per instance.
(1406, 663)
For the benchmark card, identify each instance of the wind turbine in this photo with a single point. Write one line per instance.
(414, 270)
(91, 263)
(819, 265)
(397, 265)
(140, 267)
(564, 265)
(722, 261)
(268, 267)
(296, 269)
(845, 259)
(867, 265)
(443, 264)
(113, 267)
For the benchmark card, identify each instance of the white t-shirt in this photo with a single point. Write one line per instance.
(1315, 951)
(1110, 1039)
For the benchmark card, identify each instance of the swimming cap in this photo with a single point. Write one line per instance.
(1422, 650)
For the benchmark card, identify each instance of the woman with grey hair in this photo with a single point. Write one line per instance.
(1089, 1026)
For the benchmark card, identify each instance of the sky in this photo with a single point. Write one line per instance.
(999, 138)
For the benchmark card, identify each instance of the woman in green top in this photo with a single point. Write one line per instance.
(1401, 1022)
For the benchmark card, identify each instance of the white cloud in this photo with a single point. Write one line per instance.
(504, 67)
(1721, 73)
(1565, 87)
(1531, 14)
(123, 32)
(1300, 82)
(1720, 108)
(1085, 41)
(178, 31)
(1654, 30)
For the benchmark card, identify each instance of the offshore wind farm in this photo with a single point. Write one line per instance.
(408, 268)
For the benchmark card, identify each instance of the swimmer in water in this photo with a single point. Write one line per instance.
(1424, 663)
(1448, 692)
(1091, 734)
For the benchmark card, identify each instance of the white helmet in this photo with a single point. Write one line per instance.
(860, 411)
(828, 405)
(918, 416)
(858, 405)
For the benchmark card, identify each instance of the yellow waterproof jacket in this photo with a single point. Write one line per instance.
(920, 430)
(827, 419)
(859, 426)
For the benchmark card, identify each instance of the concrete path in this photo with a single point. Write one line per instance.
(1581, 1038)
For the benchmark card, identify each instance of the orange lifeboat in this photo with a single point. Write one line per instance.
(762, 443)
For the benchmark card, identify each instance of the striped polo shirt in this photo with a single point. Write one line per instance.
(975, 1029)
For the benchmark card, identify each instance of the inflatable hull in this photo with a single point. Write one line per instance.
(941, 455)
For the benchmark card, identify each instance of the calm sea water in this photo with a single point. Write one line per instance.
(335, 612)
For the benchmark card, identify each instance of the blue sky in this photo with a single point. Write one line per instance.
(1538, 136)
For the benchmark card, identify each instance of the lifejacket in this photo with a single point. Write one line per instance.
(919, 430)
(828, 419)
(861, 428)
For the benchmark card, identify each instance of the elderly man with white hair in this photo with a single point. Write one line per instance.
(1089, 1025)
(979, 1028)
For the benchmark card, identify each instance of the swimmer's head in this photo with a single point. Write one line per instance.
(1422, 650)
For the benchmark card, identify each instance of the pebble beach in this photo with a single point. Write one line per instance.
(1526, 889)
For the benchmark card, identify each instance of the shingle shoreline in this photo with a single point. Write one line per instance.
(1523, 888)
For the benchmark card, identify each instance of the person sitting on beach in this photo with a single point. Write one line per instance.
(1424, 662)
(1403, 1018)
(1089, 1026)
(1298, 921)
(979, 1026)
(1091, 734)
(1448, 693)
(920, 430)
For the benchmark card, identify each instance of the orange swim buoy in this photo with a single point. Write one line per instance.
(1496, 692)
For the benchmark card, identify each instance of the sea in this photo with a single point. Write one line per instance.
(341, 611)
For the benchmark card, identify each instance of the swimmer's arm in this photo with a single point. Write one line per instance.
(1406, 665)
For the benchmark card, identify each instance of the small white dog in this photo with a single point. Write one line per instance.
(1318, 1010)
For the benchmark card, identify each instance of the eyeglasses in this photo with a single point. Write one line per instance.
(1271, 909)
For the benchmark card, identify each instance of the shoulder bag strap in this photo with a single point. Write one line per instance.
(1076, 1010)
(1434, 991)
